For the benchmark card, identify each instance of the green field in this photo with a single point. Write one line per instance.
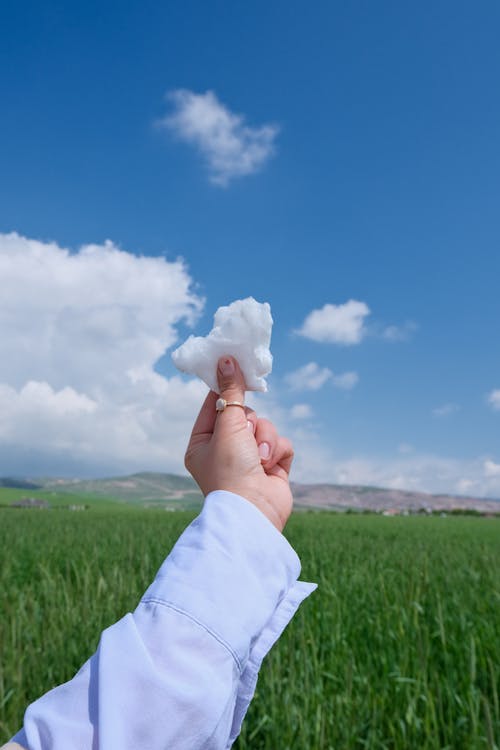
(398, 648)
(58, 500)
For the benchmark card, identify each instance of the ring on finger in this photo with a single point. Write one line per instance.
(221, 404)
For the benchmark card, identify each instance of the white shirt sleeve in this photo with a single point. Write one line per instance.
(180, 671)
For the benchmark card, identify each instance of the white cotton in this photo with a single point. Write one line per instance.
(241, 330)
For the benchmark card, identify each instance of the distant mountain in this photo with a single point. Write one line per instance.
(148, 488)
(360, 497)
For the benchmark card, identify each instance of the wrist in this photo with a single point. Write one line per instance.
(256, 499)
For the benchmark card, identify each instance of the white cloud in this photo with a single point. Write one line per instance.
(494, 399)
(491, 469)
(466, 486)
(81, 333)
(345, 380)
(399, 333)
(230, 147)
(317, 460)
(446, 410)
(337, 324)
(405, 448)
(301, 411)
(310, 377)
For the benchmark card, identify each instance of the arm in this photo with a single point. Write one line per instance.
(181, 670)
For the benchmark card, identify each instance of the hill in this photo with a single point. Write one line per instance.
(359, 497)
(136, 488)
(151, 489)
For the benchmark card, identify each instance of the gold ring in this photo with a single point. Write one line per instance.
(221, 404)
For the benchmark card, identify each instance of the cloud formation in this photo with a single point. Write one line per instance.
(336, 324)
(399, 332)
(81, 333)
(230, 147)
(346, 380)
(312, 377)
(316, 462)
(301, 411)
(494, 399)
(491, 469)
(446, 410)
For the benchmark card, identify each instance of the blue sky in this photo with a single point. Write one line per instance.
(360, 160)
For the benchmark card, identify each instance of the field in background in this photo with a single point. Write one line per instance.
(58, 499)
(399, 648)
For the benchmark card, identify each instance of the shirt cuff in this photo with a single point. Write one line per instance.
(232, 571)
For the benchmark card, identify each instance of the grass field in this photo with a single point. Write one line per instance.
(399, 648)
(60, 500)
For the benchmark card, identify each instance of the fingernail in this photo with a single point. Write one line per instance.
(264, 450)
(226, 366)
(250, 425)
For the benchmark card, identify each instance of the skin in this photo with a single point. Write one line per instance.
(236, 451)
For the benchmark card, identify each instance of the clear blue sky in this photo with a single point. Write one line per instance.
(383, 187)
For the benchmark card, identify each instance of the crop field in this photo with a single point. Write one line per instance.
(399, 647)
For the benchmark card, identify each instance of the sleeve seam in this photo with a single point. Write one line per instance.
(179, 610)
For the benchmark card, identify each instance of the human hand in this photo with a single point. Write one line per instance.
(234, 450)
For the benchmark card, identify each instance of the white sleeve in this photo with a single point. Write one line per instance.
(181, 670)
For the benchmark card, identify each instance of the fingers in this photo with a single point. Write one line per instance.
(275, 452)
(284, 454)
(251, 419)
(273, 449)
(266, 437)
(231, 388)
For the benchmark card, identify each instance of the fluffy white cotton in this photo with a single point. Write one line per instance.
(241, 330)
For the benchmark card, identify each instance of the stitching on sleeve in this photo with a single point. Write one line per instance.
(175, 608)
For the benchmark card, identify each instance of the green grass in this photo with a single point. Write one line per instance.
(58, 499)
(190, 501)
(399, 648)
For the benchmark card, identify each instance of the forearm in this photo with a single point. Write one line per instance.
(181, 670)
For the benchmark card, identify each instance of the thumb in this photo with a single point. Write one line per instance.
(231, 388)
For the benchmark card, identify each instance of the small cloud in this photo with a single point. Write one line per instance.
(336, 324)
(405, 448)
(399, 333)
(465, 486)
(494, 400)
(230, 147)
(491, 469)
(346, 380)
(310, 377)
(446, 410)
(301, 411)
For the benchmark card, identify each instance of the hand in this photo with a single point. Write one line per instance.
(234, 450)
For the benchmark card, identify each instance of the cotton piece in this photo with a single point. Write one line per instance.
(241, 330)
